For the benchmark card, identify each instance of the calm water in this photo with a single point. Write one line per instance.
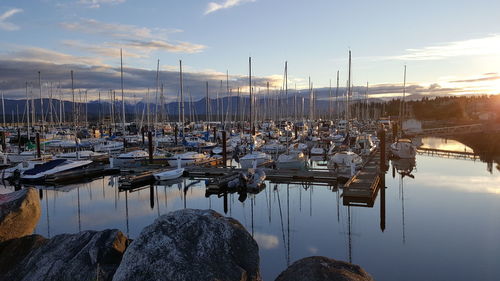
(443, 224)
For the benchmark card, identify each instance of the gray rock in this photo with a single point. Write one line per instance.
(191, 245)
(14, 251)
(322, 269)
(19, 213)
(88, 255)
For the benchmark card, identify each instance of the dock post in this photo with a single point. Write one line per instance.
(151, 196)
(296, 131)
(382, 150)
(150, 147)
(382, 171)
(394, 131)
(38, 151)
(19, 139)
(176, 131)
(4, 145)
(215, 134)
(224, 155)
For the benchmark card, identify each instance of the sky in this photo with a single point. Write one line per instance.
(449, 47)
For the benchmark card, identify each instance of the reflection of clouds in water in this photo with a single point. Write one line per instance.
(474, 184)
(266, 241)
(445, 144)
(312, 250)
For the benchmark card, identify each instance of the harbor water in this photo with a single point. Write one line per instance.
(441, 221)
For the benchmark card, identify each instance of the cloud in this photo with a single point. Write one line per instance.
(485, 46)
(213, 6)
(107, 49)
(480, 79)
(266, 241)
(97, 3)
(7, 25)
(142, 39)
(41, 55)
(180, 47)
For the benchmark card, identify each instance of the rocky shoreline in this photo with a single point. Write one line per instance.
(187, 244)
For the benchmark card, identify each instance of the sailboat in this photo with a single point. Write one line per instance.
(403, 148)
(170, 174)
(259, 157)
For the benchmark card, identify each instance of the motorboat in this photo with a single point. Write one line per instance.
(257, 156)
(403, 148)
(26, 156)
(345, 163)
(40, 171)
(297, 147)
(273, 147)
(295, 161)
(132, 158)
(187, 158)
(109, 146)
(76, 155)
(19, 169)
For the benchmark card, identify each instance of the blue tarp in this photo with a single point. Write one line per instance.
(44, 167)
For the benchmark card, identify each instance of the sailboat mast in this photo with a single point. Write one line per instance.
(250, 91)
(349, 89)
(207, 101)
(402, 112)
(182, 99)
(27, 112)
(337, 96)
(3, 111)
(41, 100)
(123, 100)
(73, 101)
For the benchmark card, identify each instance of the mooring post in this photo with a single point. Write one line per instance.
(296, 131)
(19, 140)
(394, 131)
(151, 196)
(150, 147)
(38, 151)
(215, 134)
(176, 131)
(4, 145)
(382, 150)
(224, 155)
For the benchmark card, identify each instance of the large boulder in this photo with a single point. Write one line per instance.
(14, 251)
(323, 269)
(19, 213)
(191, 245)
(88, 255)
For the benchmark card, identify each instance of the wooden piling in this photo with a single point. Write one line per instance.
(215, 134)
(150, 147)
(382, 150)
(4, 145)
(38, 151)
(19, 139)
(224, 155)
(176, 131)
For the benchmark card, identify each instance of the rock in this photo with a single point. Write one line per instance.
(191, 245)
(88, 255)
(323, 268)
(19, 213)
(14, 251)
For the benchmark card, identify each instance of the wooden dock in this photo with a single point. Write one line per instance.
(361, 189)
